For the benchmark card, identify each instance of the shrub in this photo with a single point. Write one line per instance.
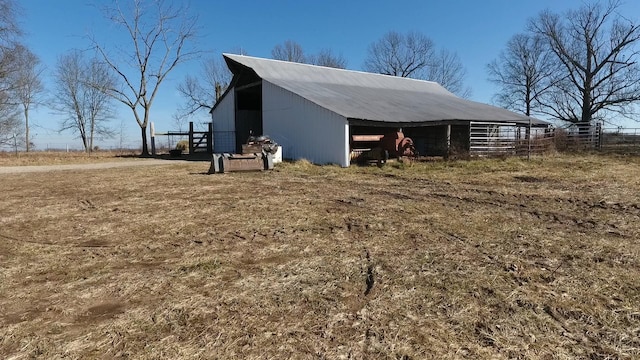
(182, 145)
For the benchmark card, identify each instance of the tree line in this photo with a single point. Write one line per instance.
(20, 83)
(578, 67)
(88, 81)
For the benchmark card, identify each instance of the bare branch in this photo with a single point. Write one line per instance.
(201, 92)
(19, 79)
(327, 58)
(448, 71)
(598, 50)
(26, 84)
(289, 51)
(82, 96)
(400, 55)
(413, 55)
(161, 36)
(525, 71)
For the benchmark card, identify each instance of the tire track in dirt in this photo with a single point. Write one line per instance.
(426, 187)
(522, 203)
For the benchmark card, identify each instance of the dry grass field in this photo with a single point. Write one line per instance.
(487, 259)
(63, 158)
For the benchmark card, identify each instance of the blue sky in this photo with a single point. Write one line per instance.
(476, 30)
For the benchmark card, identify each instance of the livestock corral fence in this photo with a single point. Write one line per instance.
(597, 137)
(486, 139)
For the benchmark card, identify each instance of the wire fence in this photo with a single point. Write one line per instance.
(488, 139)
(163, 143)
(496, 139)
(620, 140)
(485, 139)
(73, 146)
(578, 137)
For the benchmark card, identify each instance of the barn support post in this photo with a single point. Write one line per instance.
(448, 141)
(346, 162)
(190, 137)
(153, 139)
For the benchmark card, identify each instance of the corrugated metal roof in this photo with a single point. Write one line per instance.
(373, 97)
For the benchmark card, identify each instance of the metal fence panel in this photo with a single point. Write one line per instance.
(621, 139)
(494, 139)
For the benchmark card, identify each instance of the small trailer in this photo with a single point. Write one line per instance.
(257, 154)
(223, 163)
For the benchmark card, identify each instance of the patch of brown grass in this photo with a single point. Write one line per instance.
(468, 259)
(60, 158)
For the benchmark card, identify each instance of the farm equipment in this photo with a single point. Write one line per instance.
(257, 154)
(259, 144)
(382, 147)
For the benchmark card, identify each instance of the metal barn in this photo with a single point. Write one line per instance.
(314, 112)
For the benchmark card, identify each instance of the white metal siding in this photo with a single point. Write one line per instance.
(304, 129)
(224, 125)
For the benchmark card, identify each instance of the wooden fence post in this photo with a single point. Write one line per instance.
(190, 137)
(153, 140)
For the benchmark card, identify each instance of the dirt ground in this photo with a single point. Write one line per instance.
(486, 259)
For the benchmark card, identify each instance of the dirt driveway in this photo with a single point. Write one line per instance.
(92, 166)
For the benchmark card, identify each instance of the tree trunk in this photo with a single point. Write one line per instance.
(85, 142)
(528, 97)
(145, 148)
(26, 133)
(585, 116)
(15, 144)
(91, 135)
(584, 127)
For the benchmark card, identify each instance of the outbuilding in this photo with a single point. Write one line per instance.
(314, 112)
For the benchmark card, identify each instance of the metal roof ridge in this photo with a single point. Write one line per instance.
(366, 73)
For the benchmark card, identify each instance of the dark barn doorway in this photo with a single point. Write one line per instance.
(248, 113)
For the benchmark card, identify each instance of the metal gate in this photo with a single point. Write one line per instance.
(487, 138)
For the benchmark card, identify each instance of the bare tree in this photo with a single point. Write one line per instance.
(9, 31)
(597, 48)
(414, 55)
(27, 84)
(293, 52)
(9, 28)
(400, 55)
(448, 71)
(525, 72)
(160, 36)
(82, 95)
(8, 111)
(288, 51)
(11, 129)
(202, 91)
(327, 58)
